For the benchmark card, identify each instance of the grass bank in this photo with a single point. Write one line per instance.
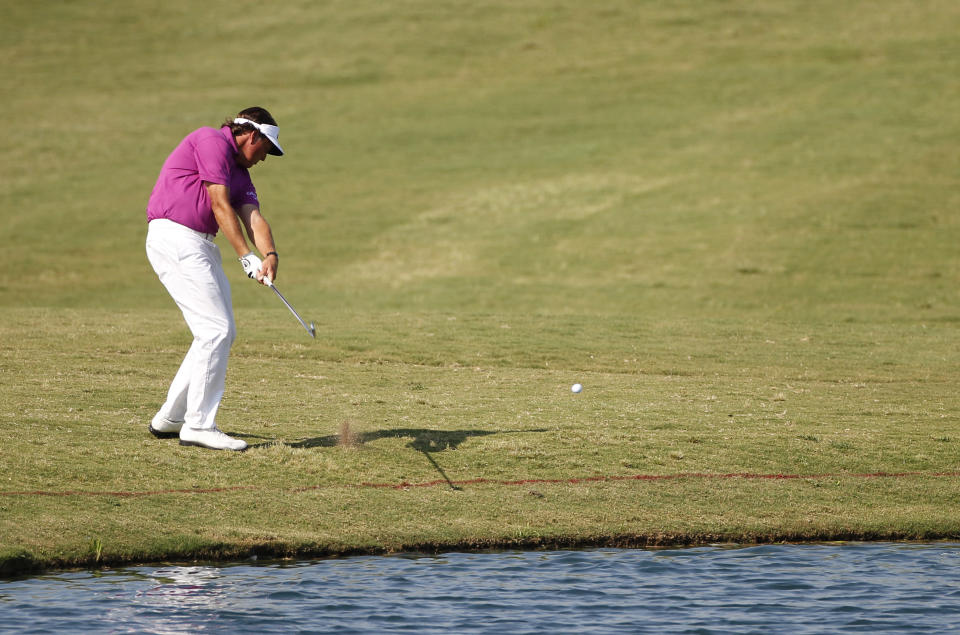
(734, 223)
(811, 437)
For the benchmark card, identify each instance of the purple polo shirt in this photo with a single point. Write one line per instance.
(208, 155)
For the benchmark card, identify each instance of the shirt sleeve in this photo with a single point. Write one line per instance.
(213, 161)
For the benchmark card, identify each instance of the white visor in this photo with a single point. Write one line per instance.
(270, 132)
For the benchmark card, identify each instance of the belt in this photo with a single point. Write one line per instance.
(175, 224)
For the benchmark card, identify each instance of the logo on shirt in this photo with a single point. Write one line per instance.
(253, 194)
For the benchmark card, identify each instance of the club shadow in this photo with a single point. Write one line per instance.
(421, 439)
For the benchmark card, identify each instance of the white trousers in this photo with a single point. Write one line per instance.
(189, 266)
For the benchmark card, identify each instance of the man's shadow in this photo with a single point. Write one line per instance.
(421, 440)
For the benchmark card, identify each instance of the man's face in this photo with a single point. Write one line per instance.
(254, 150)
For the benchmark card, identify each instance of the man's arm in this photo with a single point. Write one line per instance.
(229, 221)
(227, 217)
(258, 229)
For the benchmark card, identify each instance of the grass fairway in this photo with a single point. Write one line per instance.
(735, 222)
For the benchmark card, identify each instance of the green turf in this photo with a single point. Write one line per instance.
(734, 222)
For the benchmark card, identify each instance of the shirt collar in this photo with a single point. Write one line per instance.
(225, 131)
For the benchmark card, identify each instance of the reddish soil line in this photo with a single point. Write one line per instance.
(649, 477)
(486, 481)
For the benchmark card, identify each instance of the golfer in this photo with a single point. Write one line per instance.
(205, 187)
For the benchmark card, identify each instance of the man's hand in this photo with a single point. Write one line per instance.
(251, 265)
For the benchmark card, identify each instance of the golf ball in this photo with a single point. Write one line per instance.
(576, 388)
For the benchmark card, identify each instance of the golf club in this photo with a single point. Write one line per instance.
(310, 329)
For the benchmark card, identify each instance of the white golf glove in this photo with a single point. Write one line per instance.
(251, 265)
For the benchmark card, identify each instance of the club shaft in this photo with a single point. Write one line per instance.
(292, 310)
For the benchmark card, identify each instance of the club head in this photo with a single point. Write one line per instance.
(313, 331)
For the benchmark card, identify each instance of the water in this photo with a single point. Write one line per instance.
(848, 588)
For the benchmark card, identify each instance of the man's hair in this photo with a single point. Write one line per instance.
(254, 113)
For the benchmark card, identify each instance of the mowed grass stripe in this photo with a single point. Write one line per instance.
(513, 483)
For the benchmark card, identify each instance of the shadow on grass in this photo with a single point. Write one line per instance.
(422, 440)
